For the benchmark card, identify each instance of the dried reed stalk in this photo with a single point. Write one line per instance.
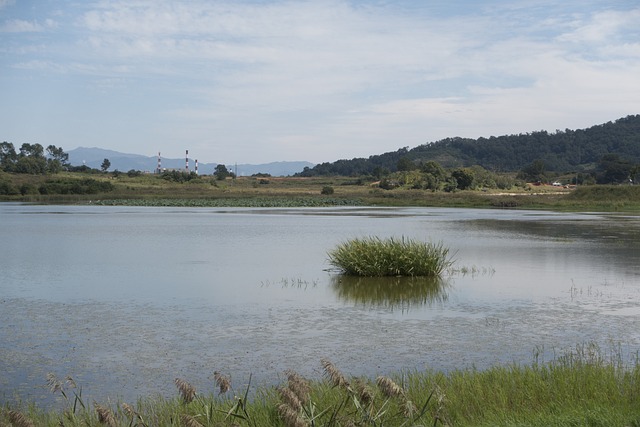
(299, 386)
(131, 412)
(290, 398)
(18, 419)
(290, 417)
(189, 421)
(105, 416)
(333, 374)
(128, 409)
(187, 391)
(365, 394)
(222, 381)
(409, 409)
(53, 383)
(388, 387)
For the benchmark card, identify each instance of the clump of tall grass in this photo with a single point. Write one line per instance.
(376, 257)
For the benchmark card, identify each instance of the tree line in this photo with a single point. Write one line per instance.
(33, 159)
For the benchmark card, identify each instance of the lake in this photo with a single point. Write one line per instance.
(126, 299)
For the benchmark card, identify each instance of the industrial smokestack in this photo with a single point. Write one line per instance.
(196, 166)
(159, 164)
(186, 162)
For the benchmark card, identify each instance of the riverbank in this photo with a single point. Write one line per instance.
(151, 190)
(581, 387)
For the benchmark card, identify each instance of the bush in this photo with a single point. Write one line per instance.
(327, 190)
(179, 176)
(388, 184)
(83, 186)
(373, 257)
(7, 189)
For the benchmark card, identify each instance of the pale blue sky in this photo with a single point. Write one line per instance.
(265, 80)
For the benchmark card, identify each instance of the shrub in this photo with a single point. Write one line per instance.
(7, 189)
(83, 186)
(372, 256)
(327, 189)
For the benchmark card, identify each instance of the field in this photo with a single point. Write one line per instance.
(151, 190)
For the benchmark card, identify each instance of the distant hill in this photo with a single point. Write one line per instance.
(93, 157)
(561, 151)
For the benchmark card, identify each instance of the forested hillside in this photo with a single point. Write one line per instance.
(561, 151)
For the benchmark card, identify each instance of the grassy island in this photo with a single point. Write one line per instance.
(375, 257)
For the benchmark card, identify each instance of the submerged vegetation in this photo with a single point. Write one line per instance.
(583, 387)
(375, 257)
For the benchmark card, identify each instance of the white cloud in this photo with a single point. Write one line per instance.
(339, 79)
(20, 26)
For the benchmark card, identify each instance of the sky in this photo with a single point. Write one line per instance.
(259, 81)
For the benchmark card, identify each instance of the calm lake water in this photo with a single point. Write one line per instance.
(125, 299)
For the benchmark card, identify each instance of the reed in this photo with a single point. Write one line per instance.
(582, 387)
(222, 381)
(376, 257)
(187, 391)
(18, 419)
(105, 416)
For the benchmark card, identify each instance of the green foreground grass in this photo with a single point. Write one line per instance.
(152, 190)
(581, 388)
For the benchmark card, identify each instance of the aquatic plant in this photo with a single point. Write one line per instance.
(375, 257)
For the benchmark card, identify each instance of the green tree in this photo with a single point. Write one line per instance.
(534, 172)
(57, 159)
(465, 178)
(221, 172)
(434, 175)
(612, 169)
(31, 150)
(106, 164)
(32, 165)
(8, 156)
(405, 164)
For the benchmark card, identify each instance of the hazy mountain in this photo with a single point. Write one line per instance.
(93, 157)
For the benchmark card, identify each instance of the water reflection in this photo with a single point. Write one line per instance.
(395, 293)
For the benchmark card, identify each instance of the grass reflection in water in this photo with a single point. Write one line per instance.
(391, 292)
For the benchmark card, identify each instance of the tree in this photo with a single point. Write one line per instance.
(31, 150)
(57, 159)
(221, 172)
(8, 156)
(533, 172)
(405, 164)
(612, 169)
(32, 165)
(106, 164)
(434, 175)
(464, 178)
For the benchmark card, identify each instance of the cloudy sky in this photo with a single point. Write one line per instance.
(256, 81)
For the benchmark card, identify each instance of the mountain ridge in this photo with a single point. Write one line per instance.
(562, 151)
(94, 156)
